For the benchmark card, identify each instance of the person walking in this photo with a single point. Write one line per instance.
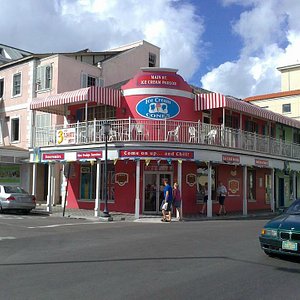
(205, 198)
(177, 200)
(167, 203)
(221, 193)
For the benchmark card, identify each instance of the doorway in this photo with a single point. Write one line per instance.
(153, 190)
(281, 192)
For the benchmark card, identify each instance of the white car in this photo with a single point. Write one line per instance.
(15, 198)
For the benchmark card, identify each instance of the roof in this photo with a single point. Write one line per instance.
(56, 103)
(273, 95)
(215, 100)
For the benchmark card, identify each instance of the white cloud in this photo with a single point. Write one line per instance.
(71, 25)
(269, 32)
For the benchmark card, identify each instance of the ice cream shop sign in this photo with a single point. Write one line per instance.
(157, 108)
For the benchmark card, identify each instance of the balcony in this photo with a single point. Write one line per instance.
(165, 131)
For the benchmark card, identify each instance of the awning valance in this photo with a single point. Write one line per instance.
(208, 101)
(56, 104)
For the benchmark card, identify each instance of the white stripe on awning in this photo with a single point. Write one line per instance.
(56, 103)
(208, 101)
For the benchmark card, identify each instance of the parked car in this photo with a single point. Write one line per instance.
(15, 198)
(281, 235)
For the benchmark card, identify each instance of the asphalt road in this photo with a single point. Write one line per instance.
(60, 258)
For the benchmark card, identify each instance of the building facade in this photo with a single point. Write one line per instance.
(25, 76)
(160, 127)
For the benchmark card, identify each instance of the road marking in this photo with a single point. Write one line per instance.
(7, 238)
(11, 217)
(67, 224)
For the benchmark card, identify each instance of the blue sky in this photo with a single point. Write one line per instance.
(227, 46)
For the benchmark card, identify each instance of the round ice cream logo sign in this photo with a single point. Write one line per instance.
(157, 108)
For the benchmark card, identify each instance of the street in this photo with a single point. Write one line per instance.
(46, 257)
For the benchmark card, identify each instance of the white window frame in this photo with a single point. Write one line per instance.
(286, 105)
(13, 84)
(1, 131)
(12, 134)
(44, 76)
(84, 80)
(3, 89)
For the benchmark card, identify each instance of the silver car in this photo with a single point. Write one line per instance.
(15, 198)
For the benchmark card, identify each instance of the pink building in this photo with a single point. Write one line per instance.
(160, 127)
(25, 76)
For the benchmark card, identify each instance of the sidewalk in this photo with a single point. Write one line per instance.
(57, 211)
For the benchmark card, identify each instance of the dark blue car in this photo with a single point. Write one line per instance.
(281, 235)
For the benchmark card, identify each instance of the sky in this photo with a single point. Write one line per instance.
(233, 47)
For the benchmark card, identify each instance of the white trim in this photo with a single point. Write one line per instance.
(158, 91)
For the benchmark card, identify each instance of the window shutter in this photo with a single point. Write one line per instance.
(84, 78)
(38, 78)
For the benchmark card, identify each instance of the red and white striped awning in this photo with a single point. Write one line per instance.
(207, 101)
(56, 103)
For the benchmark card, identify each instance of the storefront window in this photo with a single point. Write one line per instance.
(202, 178)
(88, 182)
(251, 185)
(268, 188)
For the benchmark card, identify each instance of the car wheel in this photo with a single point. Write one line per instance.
(1, 210)
(269, 253)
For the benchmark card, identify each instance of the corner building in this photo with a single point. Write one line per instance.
(160, 127)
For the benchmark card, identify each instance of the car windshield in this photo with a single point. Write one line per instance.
(14, 190)
(294, 208)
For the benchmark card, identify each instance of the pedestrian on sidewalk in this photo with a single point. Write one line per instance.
(221, 193)
(167, 203)
(177, 200)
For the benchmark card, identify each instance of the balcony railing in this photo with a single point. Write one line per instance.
(165, 131)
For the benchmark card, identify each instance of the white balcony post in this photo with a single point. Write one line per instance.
(245, 208)
(294, 186)
(98, 186)
(209, 183)
(198, 138)
(49, 196)
(137, 190)
(179, 178)
(34, 176)
(272, 190)
(129, 128)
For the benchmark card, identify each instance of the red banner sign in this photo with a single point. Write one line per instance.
(157, 153)
(89, 155)
(53, 156)
(261, 162)
(231, 159)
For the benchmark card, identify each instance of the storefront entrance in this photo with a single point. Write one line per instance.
(153, 190)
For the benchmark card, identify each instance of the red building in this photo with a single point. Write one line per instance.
(160, 127)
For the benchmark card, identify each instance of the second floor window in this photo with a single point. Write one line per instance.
(152, 60)
(17, 84)
(1, 88)
(88, 80)
(44, 77)
(286, 108)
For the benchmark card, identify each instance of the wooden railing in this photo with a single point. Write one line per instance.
(165, 131)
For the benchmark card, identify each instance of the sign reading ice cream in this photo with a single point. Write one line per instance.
(157, 108)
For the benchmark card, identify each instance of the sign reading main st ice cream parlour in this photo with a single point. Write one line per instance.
(158, 108)
(158, 80)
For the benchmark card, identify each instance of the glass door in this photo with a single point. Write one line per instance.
(154, 190)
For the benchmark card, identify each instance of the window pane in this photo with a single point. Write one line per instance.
(17, 84)
(15, 130)
(286, 108)
(1, 87)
